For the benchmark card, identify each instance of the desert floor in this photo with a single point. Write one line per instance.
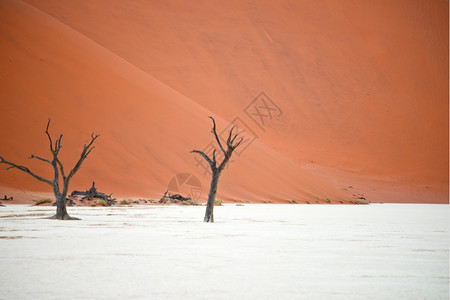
(376, 251)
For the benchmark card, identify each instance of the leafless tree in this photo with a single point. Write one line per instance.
(59, 173)
(217, 170)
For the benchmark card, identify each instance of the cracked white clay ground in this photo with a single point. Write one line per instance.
(381, 251)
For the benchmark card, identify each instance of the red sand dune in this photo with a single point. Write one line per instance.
(361, 90)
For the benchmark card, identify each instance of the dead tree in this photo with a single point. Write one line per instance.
(217, 170)
(92, 193)
(176, 197)
(58, 171)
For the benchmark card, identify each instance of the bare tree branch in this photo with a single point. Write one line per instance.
(231, 139)
(60, 167)
(58, 145)
(238, 143)
(214, 157)
(235, 136)
(54, 149)
(213, 131)
(230, 134)
(212, 163)
(40, 158)
(87, 148)
(24, 169)
(48, 135)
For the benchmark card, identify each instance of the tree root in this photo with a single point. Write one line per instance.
(65, 217)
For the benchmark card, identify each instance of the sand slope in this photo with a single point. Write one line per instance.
(147, 128)
(361, 90)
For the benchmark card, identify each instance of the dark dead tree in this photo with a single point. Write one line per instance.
(93, 193)
(167, 197)
(217, 170)
(58, 171)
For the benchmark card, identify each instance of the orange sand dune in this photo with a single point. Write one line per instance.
(361, 92)
(363, 86)
(147, 128)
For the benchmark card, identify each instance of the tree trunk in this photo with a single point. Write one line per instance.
(209, 214)
(61, 210)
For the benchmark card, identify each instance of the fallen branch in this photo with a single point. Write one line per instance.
(177, 198)
(93, 193)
